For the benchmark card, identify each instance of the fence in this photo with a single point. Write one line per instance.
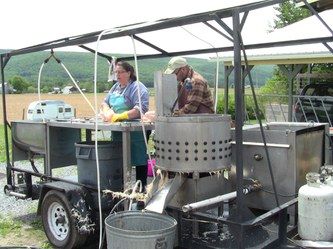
(274, 108)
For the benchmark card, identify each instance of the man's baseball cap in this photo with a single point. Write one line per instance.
(175, 63)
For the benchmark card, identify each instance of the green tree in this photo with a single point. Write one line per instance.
(31, 89)
(19, 84)
(276, 84)
(46, 89)
(288, 13)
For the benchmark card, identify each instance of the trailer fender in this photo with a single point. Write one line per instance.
(79, 200)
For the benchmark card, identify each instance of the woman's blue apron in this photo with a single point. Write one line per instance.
(138, 147)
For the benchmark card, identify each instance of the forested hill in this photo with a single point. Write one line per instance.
(81, 67)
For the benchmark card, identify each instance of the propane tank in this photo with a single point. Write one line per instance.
(315, 208)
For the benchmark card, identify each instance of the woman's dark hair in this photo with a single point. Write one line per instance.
(128, 68)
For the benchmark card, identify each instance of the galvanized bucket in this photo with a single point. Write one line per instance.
(140, 230)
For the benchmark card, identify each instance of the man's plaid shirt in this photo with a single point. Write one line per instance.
(197, 97)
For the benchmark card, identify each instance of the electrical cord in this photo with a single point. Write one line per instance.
(282, 195)
(33, 166)
(269, 191)
(260, 123)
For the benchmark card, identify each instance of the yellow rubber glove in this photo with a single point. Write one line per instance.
(117, 117)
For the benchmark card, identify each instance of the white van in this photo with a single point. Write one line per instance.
(49, 109)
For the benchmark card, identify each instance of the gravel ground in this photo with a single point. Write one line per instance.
(24, 209)
(11, 206)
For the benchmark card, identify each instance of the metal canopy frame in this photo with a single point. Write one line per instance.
(232, 34)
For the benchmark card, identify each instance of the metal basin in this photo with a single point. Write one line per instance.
(193, 143)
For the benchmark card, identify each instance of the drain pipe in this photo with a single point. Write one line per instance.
(218, 199)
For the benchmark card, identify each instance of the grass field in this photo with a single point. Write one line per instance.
(2, 144)
(17, 104)
(22, 235)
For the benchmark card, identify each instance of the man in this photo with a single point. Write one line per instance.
(193, 90)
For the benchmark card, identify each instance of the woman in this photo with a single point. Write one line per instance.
(122, 103)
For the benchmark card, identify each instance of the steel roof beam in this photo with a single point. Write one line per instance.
(158, 25)
(246, 13)
(231, 48)
(109, 58)
(223, 25)
(150, 45)
(218, 31)
(328, 47)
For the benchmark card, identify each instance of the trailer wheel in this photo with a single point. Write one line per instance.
(59, 225)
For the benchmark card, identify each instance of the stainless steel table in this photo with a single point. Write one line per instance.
(49, 132)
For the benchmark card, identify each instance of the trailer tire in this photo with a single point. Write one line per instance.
(59, 225)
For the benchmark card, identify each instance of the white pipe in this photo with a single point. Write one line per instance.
(209, 202)
(77, 86)
(38, 82)
(140, 104)
(70, 76)
(38, 85)
(96, 147)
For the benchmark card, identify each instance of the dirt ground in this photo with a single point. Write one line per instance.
(17, 104)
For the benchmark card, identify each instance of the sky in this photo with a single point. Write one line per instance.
(27, 23)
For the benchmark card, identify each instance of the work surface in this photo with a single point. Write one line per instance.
(92, 125)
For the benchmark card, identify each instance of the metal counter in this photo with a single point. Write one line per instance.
(54, 140)
(294, 150)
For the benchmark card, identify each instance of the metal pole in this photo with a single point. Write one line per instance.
(226, 89)
(239, 109)
(290, 99)
(127, 165)
(227, 72)
(291, 74)
(5, 121)
(238, 114)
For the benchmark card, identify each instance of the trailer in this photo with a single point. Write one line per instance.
(58, 143)
(49, 109)
(220, 180)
